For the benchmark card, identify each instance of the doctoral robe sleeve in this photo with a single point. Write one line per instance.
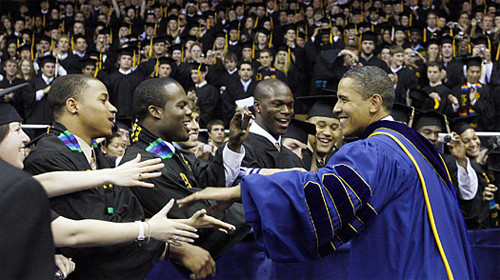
(300, 216)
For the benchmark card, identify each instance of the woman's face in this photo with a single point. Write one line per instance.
(12, 146)
(25, 67)
(249, 23)
(195, 52)
(11, 49)
(282, 56)
(471, 142)
(116, 147)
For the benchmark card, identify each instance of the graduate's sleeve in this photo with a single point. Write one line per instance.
(301, 216)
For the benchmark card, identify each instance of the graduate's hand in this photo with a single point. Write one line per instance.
(435, 95)
(195, 259)
(200, 219)
(457, 149)
(227, 195)
(65, 265)
(239, 128)
(132, 172)
(489, 192)
(453, 99)
(472, 94)
(166, 230)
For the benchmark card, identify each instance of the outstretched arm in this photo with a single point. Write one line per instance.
(129, 174)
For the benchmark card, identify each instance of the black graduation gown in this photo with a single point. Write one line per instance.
(307, 156)
(27, 247)
(37, 112)
(115, 204)
(183, 175)
(495, 88)
(429, 104)
(454, 73)
(328, 71)
(261, 153)
(262, 72)
(183, 76)
(234, 93)
(407, 79)
(484, 106)
(208, 101)
(121, 91)
(17, 102)
(475, 211)
(375, 61)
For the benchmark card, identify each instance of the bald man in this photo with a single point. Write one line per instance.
(273, 111)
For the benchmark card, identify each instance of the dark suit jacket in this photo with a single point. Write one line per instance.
(261, 153)
(233, 93)
(37, 112)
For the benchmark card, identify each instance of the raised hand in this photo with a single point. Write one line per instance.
(132, 172)
(166, 230)
(200, 219)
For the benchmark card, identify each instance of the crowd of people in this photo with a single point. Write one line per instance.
(267, 81)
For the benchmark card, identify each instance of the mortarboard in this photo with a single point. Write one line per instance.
(474, 61)
(369, 36)
(461, 124)
(7, 113)
(166, 60)
(46, 59)
(431, 118)
(403, 113)
(300, 130)
(320, 105)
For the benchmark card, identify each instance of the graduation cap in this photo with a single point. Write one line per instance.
(160, 39)
(446, 39)
(263, 30)
(24, 47)
(246, 45)
(7, 113)
(481, 40)
(432, 41)
(300, 130)
(166, 60)
(128, 50)
(88, 62)
(403, 113)
(46, 59)
(172, 17)
(150, 24)
(369, 36)
(474, 61)
(290, 26)
(44, 38)
(431, 118)
(461, 124)
(320, 105)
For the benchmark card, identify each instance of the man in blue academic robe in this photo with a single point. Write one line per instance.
(389, 193)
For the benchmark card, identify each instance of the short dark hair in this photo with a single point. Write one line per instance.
(434, 64)
(247, 63)
(69, 86)
(213, 122)
(266, 51)
(370, 80)
(150, 92)
(4, 130)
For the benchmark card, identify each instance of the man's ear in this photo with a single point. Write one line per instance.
(376, 103)
(155, 112)
(72, 106)
(256, 106)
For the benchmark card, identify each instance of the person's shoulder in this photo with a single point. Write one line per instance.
(12, 176)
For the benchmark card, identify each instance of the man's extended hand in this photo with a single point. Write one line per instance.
(195, 259)
(200, 219)
(131, 173)
(226, 195)
(238, 128)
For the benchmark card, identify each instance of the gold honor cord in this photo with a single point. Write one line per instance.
(427, 202)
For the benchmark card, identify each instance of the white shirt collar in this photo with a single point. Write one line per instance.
(232, 72)
(257, 129)
(125, 72)
(62, 57)
(394, 70)
(388, 118)
(246, 84)
(47, 79)
(201, 84)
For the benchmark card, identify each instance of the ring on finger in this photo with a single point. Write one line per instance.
(140, 176)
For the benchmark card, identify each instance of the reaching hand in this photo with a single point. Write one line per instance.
(239, 128)
(132, 172)
(166, 230)
(472, 94)
(65, 265)
(457, 148)
(200, 219)
(219, 194)
(197, 260)
(453, 99)
(488, 193)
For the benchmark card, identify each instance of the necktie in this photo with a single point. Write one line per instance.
(277, 145)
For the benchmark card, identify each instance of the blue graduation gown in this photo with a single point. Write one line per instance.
(402, 224)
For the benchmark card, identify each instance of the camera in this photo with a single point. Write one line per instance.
(413, 55)
(207, 148)
(493, 143)
(445, 137)
(482, 49)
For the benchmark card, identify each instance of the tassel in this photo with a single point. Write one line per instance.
(154, 32)
(454, 48)
(157, 65)
(489, 43)
(100, 61)
(425, 35)
(411, 19)
(253, 50)
(256, 23)
(199, 73)
(32, 46)
(468, 45)
(110, 37)
(134, 59)
(226, 42)
(150, 47)
(182, 53)
(498, 53)
(270, 40)
(239, 25)
(72, 44)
